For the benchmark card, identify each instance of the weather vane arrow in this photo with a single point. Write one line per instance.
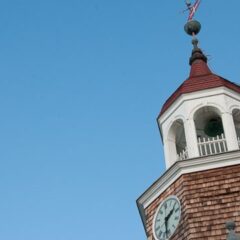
(192, 8)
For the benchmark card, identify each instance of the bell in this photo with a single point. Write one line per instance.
(214, 127)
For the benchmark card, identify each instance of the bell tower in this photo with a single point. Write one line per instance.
(201, 117)
(200, 127)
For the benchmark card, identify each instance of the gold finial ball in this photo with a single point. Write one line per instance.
(192, 27)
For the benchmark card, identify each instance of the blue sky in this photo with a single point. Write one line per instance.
(81, 85)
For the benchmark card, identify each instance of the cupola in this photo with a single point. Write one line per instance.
(202, 117)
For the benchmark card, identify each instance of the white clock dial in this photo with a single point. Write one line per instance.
(167, 218)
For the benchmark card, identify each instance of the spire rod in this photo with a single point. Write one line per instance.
(192, 28)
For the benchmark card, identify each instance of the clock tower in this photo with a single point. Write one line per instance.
(200, 128)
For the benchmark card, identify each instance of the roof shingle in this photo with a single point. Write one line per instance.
(200, 78)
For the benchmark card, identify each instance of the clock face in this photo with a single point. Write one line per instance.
(167, 218)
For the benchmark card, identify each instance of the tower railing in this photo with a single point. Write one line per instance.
(212, 145)
(183, 154)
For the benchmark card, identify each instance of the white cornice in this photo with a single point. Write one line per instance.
(196, 95)
(180, 168)
(183, 167)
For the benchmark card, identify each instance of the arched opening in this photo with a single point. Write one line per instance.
(210, 132)
(236, 120)
(177, 141)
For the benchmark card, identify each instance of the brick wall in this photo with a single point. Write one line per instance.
(208, 198)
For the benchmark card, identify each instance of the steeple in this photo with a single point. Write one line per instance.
(201, 109)
(200, 128)
(200, 77)
(197, 61)
(197, 53)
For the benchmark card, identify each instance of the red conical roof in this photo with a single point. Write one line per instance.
(200, 78)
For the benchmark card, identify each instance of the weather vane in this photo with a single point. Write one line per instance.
(192, 8)
(192, 27)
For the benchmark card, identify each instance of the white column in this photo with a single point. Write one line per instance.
(229, 131)
(170, 152)
(191, 138)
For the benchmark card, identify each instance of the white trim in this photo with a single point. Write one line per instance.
(207, 104)
(196, 95)
(183, 167)
(233, 107)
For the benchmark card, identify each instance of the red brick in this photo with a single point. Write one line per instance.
(208, 199)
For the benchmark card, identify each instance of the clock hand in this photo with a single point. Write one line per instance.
(167, 218)
(169, 215)
(166, 225)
